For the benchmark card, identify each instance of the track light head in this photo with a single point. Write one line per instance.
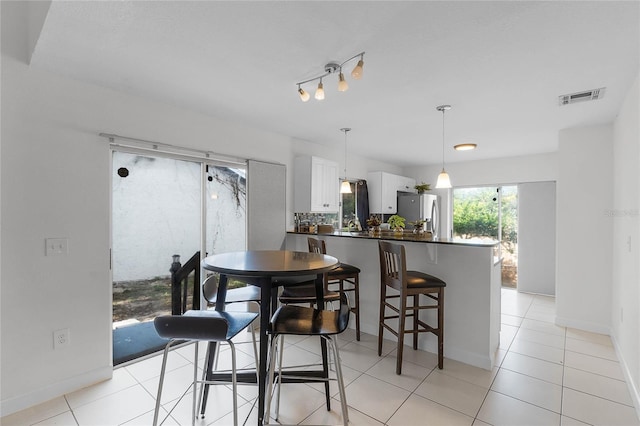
(304, 96)
(342, 83)
(357, 71)
(320, 91)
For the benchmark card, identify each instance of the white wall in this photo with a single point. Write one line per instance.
(55, 183)
(583, 279)
(625, 314)
(537, 237)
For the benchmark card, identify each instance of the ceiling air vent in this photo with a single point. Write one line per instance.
(588, 95)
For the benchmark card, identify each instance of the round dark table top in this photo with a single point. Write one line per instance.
(268, 263)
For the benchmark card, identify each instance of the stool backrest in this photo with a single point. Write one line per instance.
(210, 288)
(316, 246)
(393, 265)
(343, 315)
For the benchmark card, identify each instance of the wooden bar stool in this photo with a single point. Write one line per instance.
(394, 274)
(344, 273)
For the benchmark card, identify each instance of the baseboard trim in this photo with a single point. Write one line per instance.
(634, 392)
(583, 325)
(38, 396)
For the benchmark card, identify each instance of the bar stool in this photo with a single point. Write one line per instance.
(304, 321)
(201, 326)
(344, 273)
(302, 290)
(247, 294)
(394, 274)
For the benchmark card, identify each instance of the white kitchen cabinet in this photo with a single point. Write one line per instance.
(383, 191)
(315, 188)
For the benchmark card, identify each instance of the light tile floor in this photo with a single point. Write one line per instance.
(545, 375)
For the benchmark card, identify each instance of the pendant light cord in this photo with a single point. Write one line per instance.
(443, 139)
(345, 130)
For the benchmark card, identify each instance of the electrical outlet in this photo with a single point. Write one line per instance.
(61, 338)
(56, 246)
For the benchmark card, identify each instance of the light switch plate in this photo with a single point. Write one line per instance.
(56, 246)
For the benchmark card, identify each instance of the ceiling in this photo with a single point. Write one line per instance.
(501, 65)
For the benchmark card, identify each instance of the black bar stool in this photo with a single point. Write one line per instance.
(394, 274)
(201, 326)
(302, 290)
(247, 294)
(304, 321)
(344, 273)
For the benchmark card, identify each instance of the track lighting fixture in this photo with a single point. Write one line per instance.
(331, 68)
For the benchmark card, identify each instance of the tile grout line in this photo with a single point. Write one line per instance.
(499, 368)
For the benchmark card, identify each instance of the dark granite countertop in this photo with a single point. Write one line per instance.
(406, 236)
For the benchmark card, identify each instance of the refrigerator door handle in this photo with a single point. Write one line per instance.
(434, 219)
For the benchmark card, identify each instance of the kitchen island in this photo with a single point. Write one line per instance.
(471, 269)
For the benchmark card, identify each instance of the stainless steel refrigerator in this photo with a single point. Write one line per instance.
(421, 206)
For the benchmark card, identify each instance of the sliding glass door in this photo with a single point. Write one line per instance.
(226, 200)
(490, 212)
(156, 213)
(166, 210)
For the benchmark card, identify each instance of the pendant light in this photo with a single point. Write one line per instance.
(345, 186)
(443, 178)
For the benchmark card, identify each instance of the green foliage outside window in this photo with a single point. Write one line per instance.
(475, 214)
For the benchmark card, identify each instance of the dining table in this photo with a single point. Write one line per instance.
(267, 269)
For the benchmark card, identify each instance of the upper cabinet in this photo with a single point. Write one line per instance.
(383, 191)
(315, 187)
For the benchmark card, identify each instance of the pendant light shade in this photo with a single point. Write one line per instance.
(443, 182)
(345, 186)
